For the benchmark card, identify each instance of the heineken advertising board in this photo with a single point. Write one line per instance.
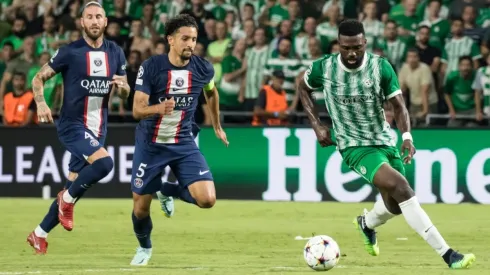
(272, 164)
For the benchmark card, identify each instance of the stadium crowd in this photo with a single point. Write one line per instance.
(260, 48)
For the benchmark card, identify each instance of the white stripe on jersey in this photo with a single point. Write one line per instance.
(93, 114)
(168, 126)
(97, 64)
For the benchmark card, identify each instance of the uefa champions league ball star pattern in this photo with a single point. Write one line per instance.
(321, 253)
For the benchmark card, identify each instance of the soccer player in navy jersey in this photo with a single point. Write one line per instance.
(91, 67)
(167, 91)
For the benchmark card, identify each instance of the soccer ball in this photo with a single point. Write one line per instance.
(321, 253)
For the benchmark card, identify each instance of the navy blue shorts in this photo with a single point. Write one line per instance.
(149, 162)
(81, 143)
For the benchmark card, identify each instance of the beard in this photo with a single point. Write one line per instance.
(94, 34)
(186, 55)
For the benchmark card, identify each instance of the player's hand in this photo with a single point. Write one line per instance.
(44, 113)
(121, 85)
(324, 136)
(221, 135)
(166, 107)
(407, 150)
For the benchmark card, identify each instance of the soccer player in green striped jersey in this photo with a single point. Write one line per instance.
(355, 85)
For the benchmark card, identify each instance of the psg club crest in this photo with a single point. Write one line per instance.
(138, 183)
(179, 82)
(98, 62)
(94, 143)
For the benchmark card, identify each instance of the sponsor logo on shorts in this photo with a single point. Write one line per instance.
(363, 170)
(138, 183)
(94, 143)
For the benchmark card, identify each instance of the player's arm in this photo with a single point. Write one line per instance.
(38, 81)
(120, 79)
(141, 107)
(212, 98)
(478, 89)
(311, 80)
(392, 92)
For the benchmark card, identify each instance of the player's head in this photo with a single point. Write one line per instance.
(181, 32)
(352, 43)
(93, 20)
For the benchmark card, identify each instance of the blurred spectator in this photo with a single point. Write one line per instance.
(53, 87)
(481, 85)
(217, 50)
(255, 61)
(35, 20)
(22, 64)
(231, 22)
(271, 107)
(416, 81)
(456, 7)
(373, 28)
(315, 53)
(394, 48)
(233, 72)
(119, 16)
(209, 32)
(460, 96)
(201, 15)
(439, 27)
(18, 34)
(328, 31)
(18, 105)
(436, 9)
(220, 8)
(68, 19)
(153, 25)
(138, 42)
(134, 62)
(456, 47)
(113, 32)
(49, 39)
(294, 11)
(407, 21)
(258, 8)
(334, 47)
(6, 56)
(284, 29)
(273, 14)
(247, 17)
(199, 50)
(160, 47)
(428, 54)
(469, 22)
(326, 10)
(301, 40)
(283, 60)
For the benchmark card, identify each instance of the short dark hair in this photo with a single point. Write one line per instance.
(423, 27)
(8, 44)
(350, 27)
(19, 73)
(413, 50)
(456, 19)
(465, 57)
(391, 21)
(179, 21)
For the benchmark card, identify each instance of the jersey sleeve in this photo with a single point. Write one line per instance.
(389, 80)
(448, 85)
(143, 79)
(475, 51)
(209, 76)
(60, 59)
(121, 68)
(313, 76)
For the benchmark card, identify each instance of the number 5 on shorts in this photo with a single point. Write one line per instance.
(141, 170)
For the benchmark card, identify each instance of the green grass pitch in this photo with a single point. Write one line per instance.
(235, 237)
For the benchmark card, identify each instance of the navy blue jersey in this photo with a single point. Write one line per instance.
(87, 73)
(158, 78)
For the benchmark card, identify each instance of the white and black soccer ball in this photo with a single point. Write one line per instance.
(321, 253)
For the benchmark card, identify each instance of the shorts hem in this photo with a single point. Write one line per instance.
(194, 181)
(371, 178)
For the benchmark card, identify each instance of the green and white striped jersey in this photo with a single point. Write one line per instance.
(395, 51)
(374, 30)
(291, 67)
(354, 98)
(455, 48)
(482, 82)
(256, 61)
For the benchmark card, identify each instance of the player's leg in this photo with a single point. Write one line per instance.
(99, 166)
(196, 184)
(395, 184)
(37, 238)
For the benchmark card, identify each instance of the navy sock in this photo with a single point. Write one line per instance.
(186, 196)
(142, 230)
(50, 221)
(90, 175)
(170, 190)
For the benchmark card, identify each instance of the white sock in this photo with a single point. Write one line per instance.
(378, 215)
(68, 198)
(40, 232)
(420, 222)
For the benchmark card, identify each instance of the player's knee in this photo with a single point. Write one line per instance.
(401, 190)
(207, 201)
(141, 213)
(104, 165)
(72, 176)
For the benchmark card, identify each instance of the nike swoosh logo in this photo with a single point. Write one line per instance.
(428, 229)
(97, 71)
(203, 172)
